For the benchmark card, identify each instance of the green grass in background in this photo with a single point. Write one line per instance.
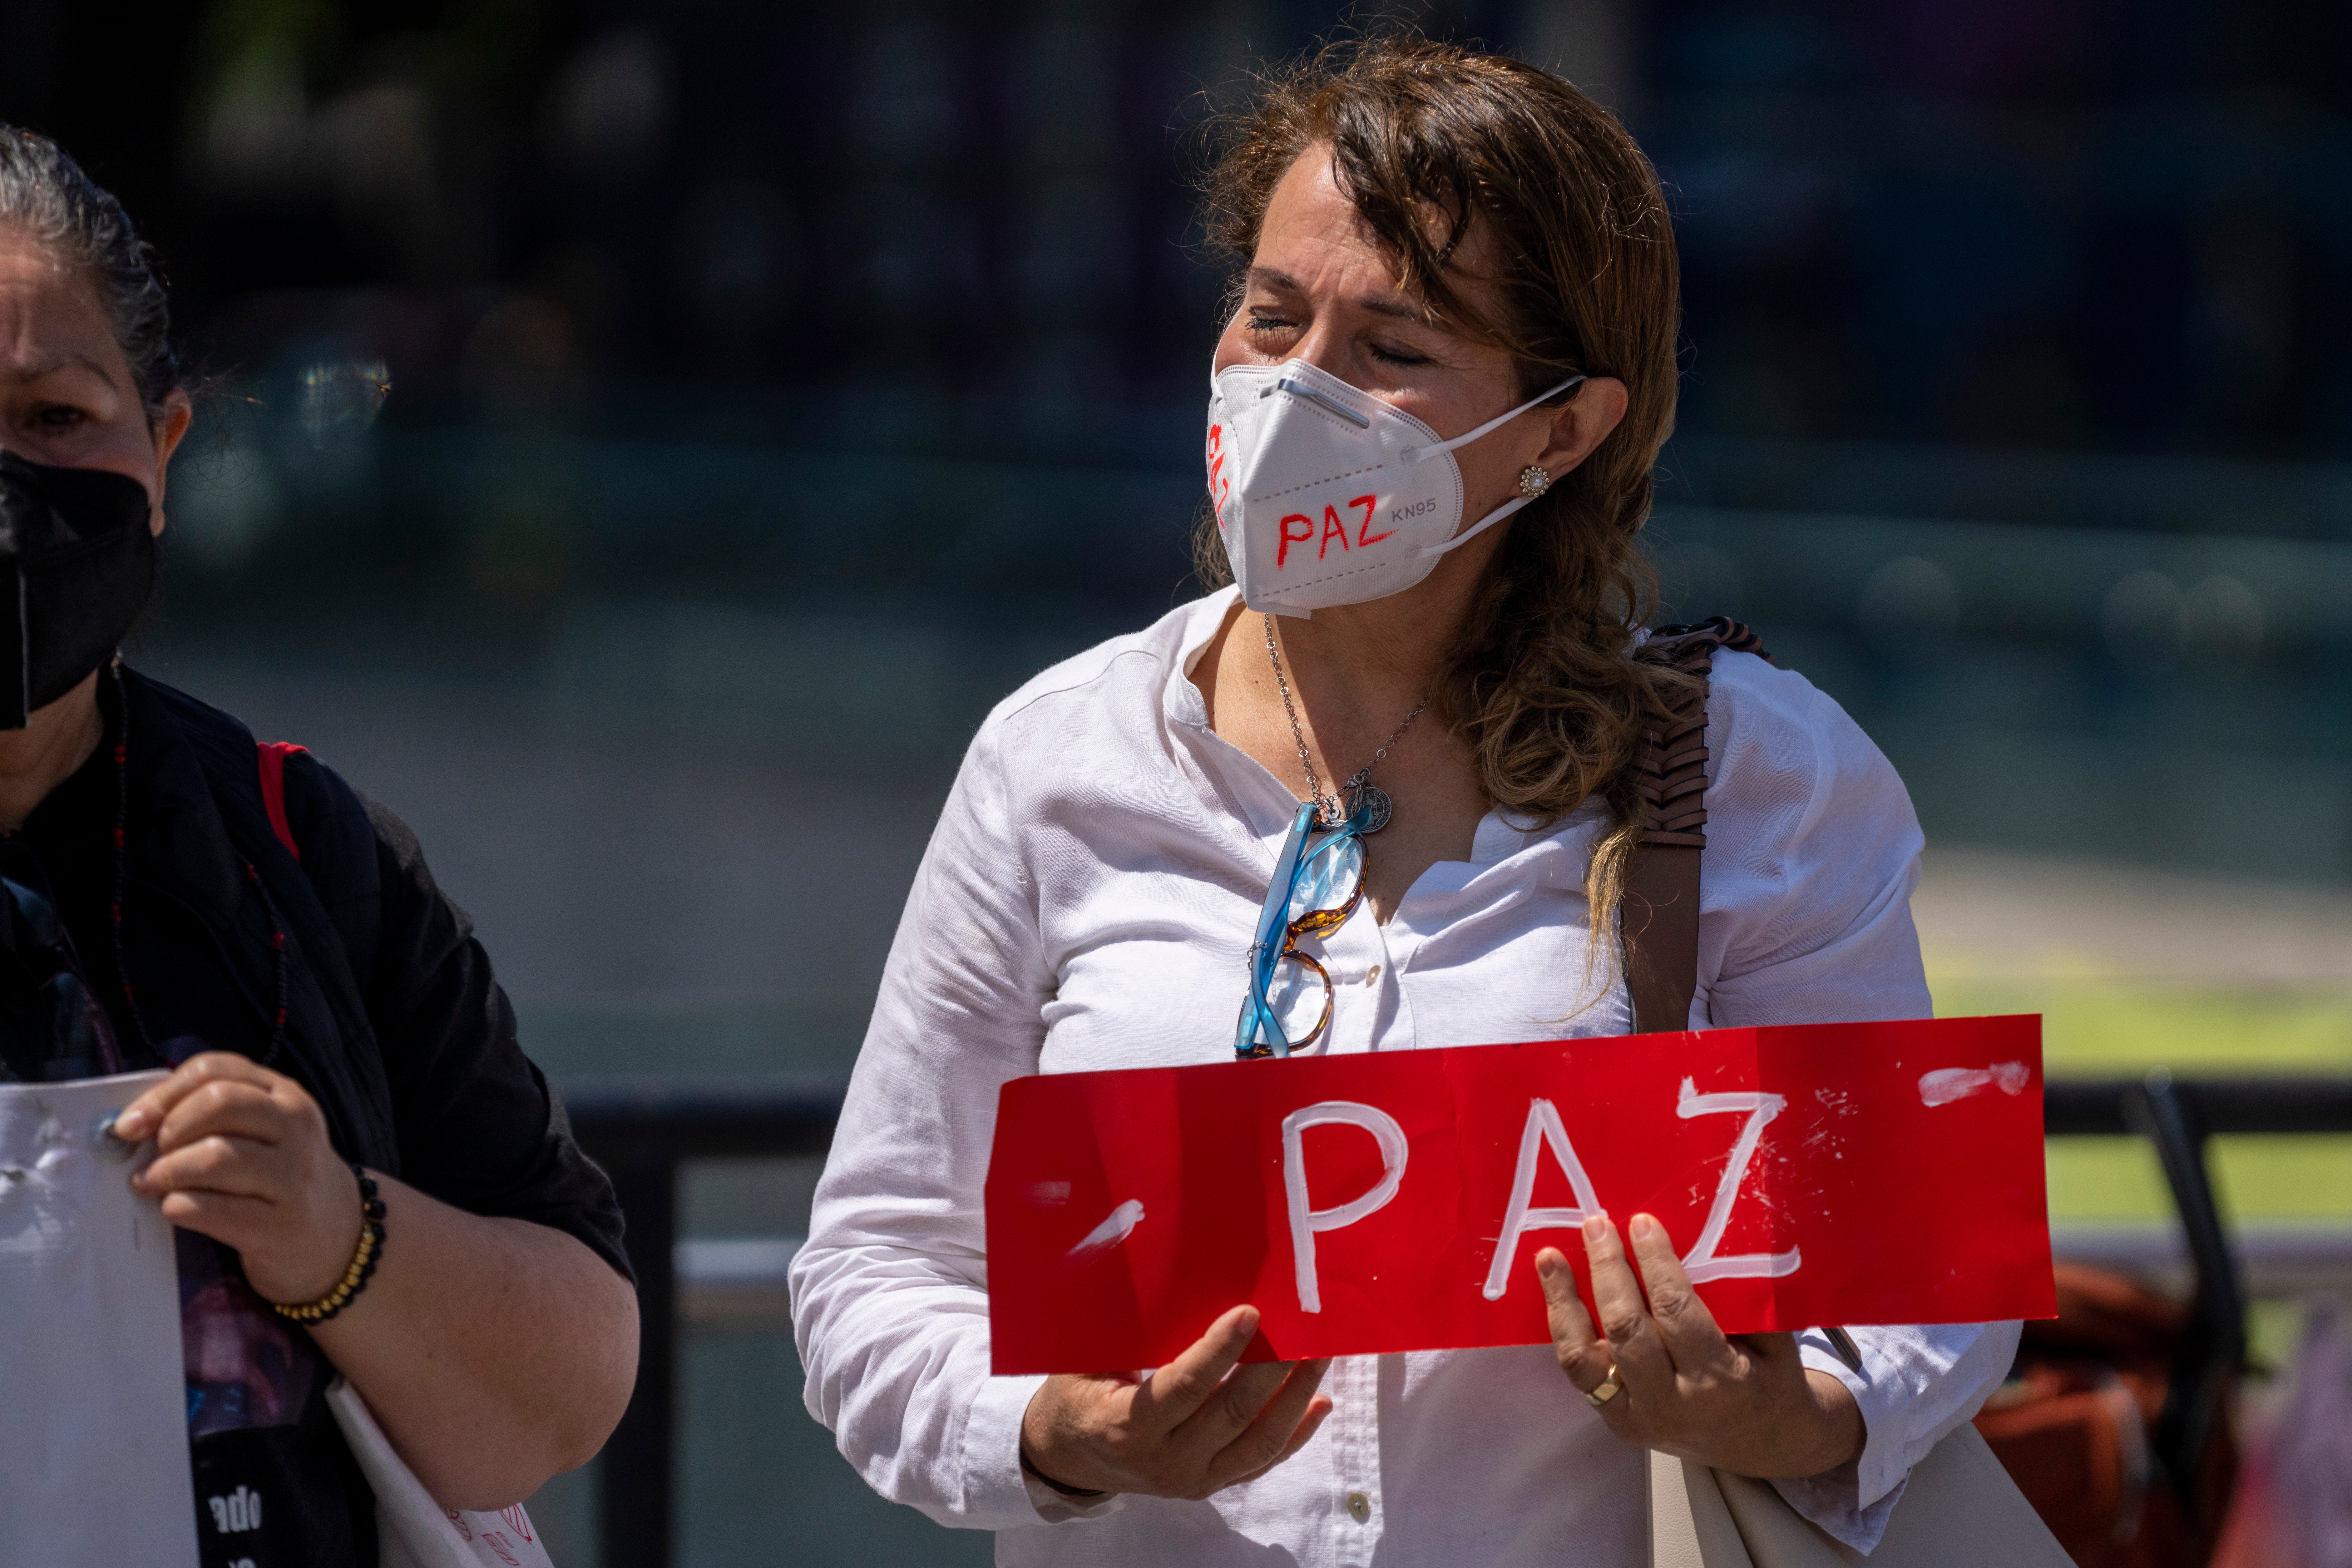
(2103, 1030)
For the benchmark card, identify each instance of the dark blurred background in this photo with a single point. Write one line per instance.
(640, 440)
(900, 316)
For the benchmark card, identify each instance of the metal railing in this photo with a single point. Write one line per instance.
(643, 1129)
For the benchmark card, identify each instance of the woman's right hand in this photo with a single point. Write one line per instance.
(1185, 1431)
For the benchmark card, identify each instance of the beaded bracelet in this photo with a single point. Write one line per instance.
(363, 1260)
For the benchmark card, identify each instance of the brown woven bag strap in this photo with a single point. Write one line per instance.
(1658, 918)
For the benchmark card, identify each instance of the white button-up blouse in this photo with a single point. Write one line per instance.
(1087, 901)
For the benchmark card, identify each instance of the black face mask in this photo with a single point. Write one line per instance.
(77, 570)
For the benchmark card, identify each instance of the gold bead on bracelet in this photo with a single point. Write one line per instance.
(364, 1257)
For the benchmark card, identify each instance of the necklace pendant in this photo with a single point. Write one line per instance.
(1370, 808)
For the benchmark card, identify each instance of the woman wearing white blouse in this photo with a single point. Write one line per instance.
(1465, 699)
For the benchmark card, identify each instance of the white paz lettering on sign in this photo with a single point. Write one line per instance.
(1305, 1221)
(1701, 1263)
(1543, 1127)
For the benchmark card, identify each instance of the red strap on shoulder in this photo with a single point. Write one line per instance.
(273, 756)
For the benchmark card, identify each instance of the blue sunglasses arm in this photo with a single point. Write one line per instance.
(1257, 1021)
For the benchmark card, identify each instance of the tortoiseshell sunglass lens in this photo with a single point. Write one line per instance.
(1300, 999)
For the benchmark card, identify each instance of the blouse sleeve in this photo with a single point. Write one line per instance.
(1812, 853)
(1805, 917)
(890, 1293)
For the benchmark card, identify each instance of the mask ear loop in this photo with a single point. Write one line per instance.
(1411, 455)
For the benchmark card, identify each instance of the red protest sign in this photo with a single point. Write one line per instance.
(1808, 1174)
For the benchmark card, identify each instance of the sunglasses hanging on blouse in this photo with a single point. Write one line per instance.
(1318, 880)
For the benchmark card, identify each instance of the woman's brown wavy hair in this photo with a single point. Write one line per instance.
(1539, 682)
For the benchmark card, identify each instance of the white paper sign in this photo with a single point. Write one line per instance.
(94, 1451)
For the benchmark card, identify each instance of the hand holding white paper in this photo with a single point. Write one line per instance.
(94, 1454)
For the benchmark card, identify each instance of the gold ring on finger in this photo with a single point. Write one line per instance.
(1610, 1389)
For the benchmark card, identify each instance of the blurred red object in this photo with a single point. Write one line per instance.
(2294, 1507)
(2256, 1536)
(2073, 1428)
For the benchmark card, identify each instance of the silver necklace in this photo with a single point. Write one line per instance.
(1363, 799)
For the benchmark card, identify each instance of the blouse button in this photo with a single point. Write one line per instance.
(1360, 1507)
(1372, 975)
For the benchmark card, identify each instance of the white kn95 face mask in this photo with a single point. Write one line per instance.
(1328, 496)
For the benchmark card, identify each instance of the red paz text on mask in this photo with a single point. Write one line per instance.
(1808, 1174)
(1334, 527)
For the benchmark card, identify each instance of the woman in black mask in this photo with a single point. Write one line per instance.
(368, 1176)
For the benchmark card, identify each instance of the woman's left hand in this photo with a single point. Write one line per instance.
(245, 1159)
(1747, 1404)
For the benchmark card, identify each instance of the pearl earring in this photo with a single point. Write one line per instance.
(1534, 482)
